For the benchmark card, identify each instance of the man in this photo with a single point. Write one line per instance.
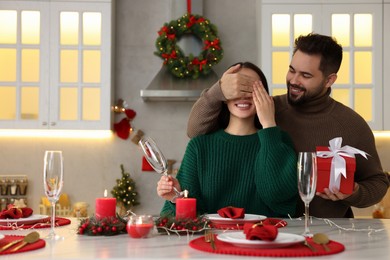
(311, 117)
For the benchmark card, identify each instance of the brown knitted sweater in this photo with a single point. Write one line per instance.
(311, 125)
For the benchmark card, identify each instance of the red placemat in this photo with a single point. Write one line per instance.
(39, 224)
(291, 251)
(268, 221)
(9, 238)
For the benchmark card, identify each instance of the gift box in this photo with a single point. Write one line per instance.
(324, 169)
(336, 166)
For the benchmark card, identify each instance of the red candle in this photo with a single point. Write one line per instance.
(105, 207)
(185, 207)
(140, 226)
(139, 230)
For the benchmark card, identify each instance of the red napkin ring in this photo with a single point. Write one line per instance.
(231, 212)
(275, 222)
(259, 231)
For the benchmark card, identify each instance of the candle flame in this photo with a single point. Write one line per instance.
(105, 193)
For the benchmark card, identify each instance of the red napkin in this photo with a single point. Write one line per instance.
(231, 212)
(13, 212)
(260, 232)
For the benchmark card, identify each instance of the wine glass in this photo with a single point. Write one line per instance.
(307, 182)
(155, 158)
(53, 180)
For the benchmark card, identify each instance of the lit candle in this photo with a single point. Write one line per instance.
(140, 226)
(185, 207)
(105, 207)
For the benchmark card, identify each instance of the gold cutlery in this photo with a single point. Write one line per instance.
(305, 243)
(321, 239)
(34, 237)
(209, 238)
(29, 237)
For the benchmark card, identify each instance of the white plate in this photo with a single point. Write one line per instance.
(1, 236)
(282, 240)
(250, 218)
(20, 221)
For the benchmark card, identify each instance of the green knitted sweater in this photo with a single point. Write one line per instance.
(256, 172)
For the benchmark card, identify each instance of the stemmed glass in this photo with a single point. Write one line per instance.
(53, 180)
(307, 182)
(155, 157)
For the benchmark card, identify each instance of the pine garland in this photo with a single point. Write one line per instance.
(101, 227)
(169, 224)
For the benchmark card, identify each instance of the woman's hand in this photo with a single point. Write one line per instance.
(264, 105)
(165, 187)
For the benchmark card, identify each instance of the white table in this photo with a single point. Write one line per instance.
(359, 244)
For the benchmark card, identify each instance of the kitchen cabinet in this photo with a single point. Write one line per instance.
(386, 64)
(357, 26)
(55, 70)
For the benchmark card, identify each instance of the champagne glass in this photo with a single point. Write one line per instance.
(53, 180)
(155, 158)
(307, 182)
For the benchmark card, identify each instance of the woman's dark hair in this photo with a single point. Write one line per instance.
(224, 115)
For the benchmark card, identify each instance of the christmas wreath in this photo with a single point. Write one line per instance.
(189, 66)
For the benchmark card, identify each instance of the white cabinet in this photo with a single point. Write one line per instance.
(55, 70)
(386, 64)
(357, 26)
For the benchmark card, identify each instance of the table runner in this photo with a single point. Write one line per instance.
(291, 251)
(46, 224)
(9, 238)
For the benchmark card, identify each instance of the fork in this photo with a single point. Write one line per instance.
(209, 238)
(305, 243)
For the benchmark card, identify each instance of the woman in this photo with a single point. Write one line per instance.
(250, 163)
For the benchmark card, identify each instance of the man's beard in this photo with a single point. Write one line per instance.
(293, 101)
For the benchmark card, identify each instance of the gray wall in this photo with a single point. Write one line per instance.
(92, 166)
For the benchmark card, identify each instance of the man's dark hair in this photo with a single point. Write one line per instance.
(327, 47)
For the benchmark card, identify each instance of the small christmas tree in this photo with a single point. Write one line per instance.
(125, 192)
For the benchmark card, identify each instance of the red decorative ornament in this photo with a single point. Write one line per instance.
(123, 128)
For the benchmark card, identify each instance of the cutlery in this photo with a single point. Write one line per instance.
(209, 238)
(305, 243)
(29, 237)
(321, 239)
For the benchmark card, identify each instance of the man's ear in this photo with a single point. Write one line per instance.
(330, 80)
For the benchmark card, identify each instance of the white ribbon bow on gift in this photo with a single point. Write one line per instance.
(338, 166)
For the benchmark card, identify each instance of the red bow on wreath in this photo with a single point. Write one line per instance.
(193, 20)
(209, 44)
(163, 29)
(169, 56)
(123, 128)
(200, 63)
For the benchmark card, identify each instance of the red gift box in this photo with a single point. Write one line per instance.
(323, 172)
